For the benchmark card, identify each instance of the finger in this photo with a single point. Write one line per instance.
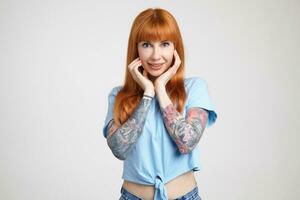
(172, 70)
(134, 62)
(176, 55)
(136, 70)
(177, 60)
(132, 69)
(137, 76)
(168, 72)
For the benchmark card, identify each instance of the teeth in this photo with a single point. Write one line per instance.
(156, 65)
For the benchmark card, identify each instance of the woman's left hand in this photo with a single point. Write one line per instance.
(163, 79)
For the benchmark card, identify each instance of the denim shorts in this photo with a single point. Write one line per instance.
(192, 195)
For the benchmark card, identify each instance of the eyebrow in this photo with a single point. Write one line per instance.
(151, 43)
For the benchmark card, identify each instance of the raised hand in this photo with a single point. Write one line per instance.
(163, 79)
(141, 79)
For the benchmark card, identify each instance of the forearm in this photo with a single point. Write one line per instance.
(121, 141)
(185, 131)
(162, 96)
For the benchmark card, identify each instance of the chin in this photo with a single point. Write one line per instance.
(155, 73)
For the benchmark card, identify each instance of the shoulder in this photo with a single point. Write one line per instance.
(194, 81)
(115, 90)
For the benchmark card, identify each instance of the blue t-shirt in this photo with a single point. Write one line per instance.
(155, 159)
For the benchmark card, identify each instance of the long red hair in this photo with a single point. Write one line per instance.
(156, 25)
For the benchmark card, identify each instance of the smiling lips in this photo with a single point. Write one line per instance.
(156, 66)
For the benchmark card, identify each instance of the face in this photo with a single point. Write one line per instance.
(156, 56)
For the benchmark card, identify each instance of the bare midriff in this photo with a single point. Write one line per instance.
(175, 188)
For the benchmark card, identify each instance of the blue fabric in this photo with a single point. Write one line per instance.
(155, 158)
(192, 195)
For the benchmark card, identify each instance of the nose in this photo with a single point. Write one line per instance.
(156, 53)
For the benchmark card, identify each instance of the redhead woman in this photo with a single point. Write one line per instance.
(155, 120)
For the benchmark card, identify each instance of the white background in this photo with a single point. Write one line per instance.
(60, 59)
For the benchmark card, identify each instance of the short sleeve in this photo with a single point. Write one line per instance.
(198, 96)
(110, 111)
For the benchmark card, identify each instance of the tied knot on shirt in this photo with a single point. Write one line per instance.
(160, 192)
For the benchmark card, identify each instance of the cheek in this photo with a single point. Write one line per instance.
(144, 57)
(170, 54)
(142, 54)
(144, 64)
(170, 57)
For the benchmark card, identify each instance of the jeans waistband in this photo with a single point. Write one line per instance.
(190, 195)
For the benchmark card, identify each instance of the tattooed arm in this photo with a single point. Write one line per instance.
(121, 139)
(186, 132)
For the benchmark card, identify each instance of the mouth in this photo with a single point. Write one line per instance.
(155, 66)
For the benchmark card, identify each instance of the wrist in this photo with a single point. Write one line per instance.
(147, 97)
(160, 89)
(149, 93)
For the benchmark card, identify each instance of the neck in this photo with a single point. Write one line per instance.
(152, 78)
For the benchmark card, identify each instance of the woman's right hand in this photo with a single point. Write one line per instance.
(142, 80)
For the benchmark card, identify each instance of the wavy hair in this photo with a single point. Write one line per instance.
(153, 24)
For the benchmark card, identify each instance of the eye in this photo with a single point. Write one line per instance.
(145, 44)
(165, 44)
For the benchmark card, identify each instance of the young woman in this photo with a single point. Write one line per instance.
(157, 117)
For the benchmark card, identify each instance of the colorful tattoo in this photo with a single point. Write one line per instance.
(186, 132)
(122, 139)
